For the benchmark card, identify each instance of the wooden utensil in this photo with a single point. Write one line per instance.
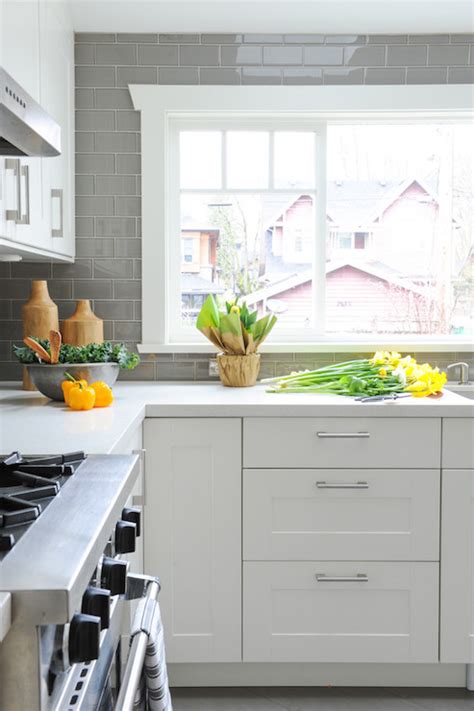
(37, 348)
(55, 346)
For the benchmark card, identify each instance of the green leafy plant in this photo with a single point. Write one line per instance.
(106, 352)
(236, 331)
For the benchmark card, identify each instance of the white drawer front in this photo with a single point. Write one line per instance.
(458, 443)
(387, 442)
(390, 615)
(337, 514)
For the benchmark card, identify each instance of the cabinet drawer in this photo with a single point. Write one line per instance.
(458, 443)
(343, 442)
(341, 514)
(340, 612)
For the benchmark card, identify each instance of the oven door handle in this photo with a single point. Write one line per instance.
(138, 586)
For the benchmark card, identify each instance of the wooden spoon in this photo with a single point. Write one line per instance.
(54, 345)
(37, 348)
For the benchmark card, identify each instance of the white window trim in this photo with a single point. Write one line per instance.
(159, 104)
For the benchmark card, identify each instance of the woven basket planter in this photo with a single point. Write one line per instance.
(238, 371)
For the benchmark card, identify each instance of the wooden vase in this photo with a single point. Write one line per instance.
(238, 371)
(83, 326)
(40, 316)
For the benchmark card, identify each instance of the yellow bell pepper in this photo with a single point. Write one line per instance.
(81, 397)
(67, 386)
(103, 394)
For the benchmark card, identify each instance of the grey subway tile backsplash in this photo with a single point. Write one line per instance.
(324, 56)
(92, 163)
(261, 75)
(95, 76)
(115, 185)
(136, 75)
(113, 268)
(115, 226)
(157, 55)
(282, 55)
(115, 54)
(84, 53)
(108, 161)
(219, 75)
(91, 289)
(95, 120)
(199, 55)
(461, 75)
(178, 75)
(427, 75)
(302, 75)
(343, 76)
(448, 54)
(113, 99)
(238, 56)
(401, 56)
(128, 120)
(385, 75)
(373, 56)
(94, 247)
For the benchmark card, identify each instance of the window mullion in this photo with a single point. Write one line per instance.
(271, 160)
(319, 263)
(224, 160)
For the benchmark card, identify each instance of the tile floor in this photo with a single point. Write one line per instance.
(321, 699)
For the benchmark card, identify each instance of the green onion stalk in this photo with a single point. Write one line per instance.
(353, 377)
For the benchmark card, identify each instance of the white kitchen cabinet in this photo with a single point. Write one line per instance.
(193, 534)
(342, 442)
(341, 514)
(340, 612)
(20, 43)
(57, 98)
(457, 567)
(37, 48)
(458, 443)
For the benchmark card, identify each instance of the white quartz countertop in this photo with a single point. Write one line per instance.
(32, 424)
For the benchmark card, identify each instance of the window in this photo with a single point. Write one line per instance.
(353, 224)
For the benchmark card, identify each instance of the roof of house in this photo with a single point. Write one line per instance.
(374, 268)
(195, 284)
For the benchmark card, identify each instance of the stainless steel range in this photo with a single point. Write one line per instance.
(64, 528)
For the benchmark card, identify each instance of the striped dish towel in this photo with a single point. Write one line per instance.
(153, 693)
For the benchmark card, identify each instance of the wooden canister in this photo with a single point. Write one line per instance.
(83, 326)
(40, 316)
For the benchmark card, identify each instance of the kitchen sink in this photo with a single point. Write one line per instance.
(466, 391)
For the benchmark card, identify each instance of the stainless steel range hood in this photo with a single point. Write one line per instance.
(25, 128)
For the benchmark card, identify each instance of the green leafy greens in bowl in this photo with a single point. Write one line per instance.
(106, 352)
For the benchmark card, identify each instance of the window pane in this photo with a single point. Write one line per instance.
(200, 159)
(257, 245)
(400, 211)
(294, 161)
(247, 159)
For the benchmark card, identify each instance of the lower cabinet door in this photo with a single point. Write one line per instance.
(193, 534)
(340, 612)
(457, 566)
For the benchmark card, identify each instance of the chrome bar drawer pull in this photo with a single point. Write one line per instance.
(359, 578)
(343, 435)
(342, 485)
(57, 194)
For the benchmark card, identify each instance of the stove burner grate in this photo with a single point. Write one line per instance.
(24, 480)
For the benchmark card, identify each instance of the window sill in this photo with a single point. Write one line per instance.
(451, 346)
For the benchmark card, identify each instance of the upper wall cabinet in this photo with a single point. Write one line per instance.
(36, 194)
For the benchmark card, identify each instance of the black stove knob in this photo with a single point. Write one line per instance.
(125, 535)
(114, 575)
(84, 638)
(134, 516)
(96, 601)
